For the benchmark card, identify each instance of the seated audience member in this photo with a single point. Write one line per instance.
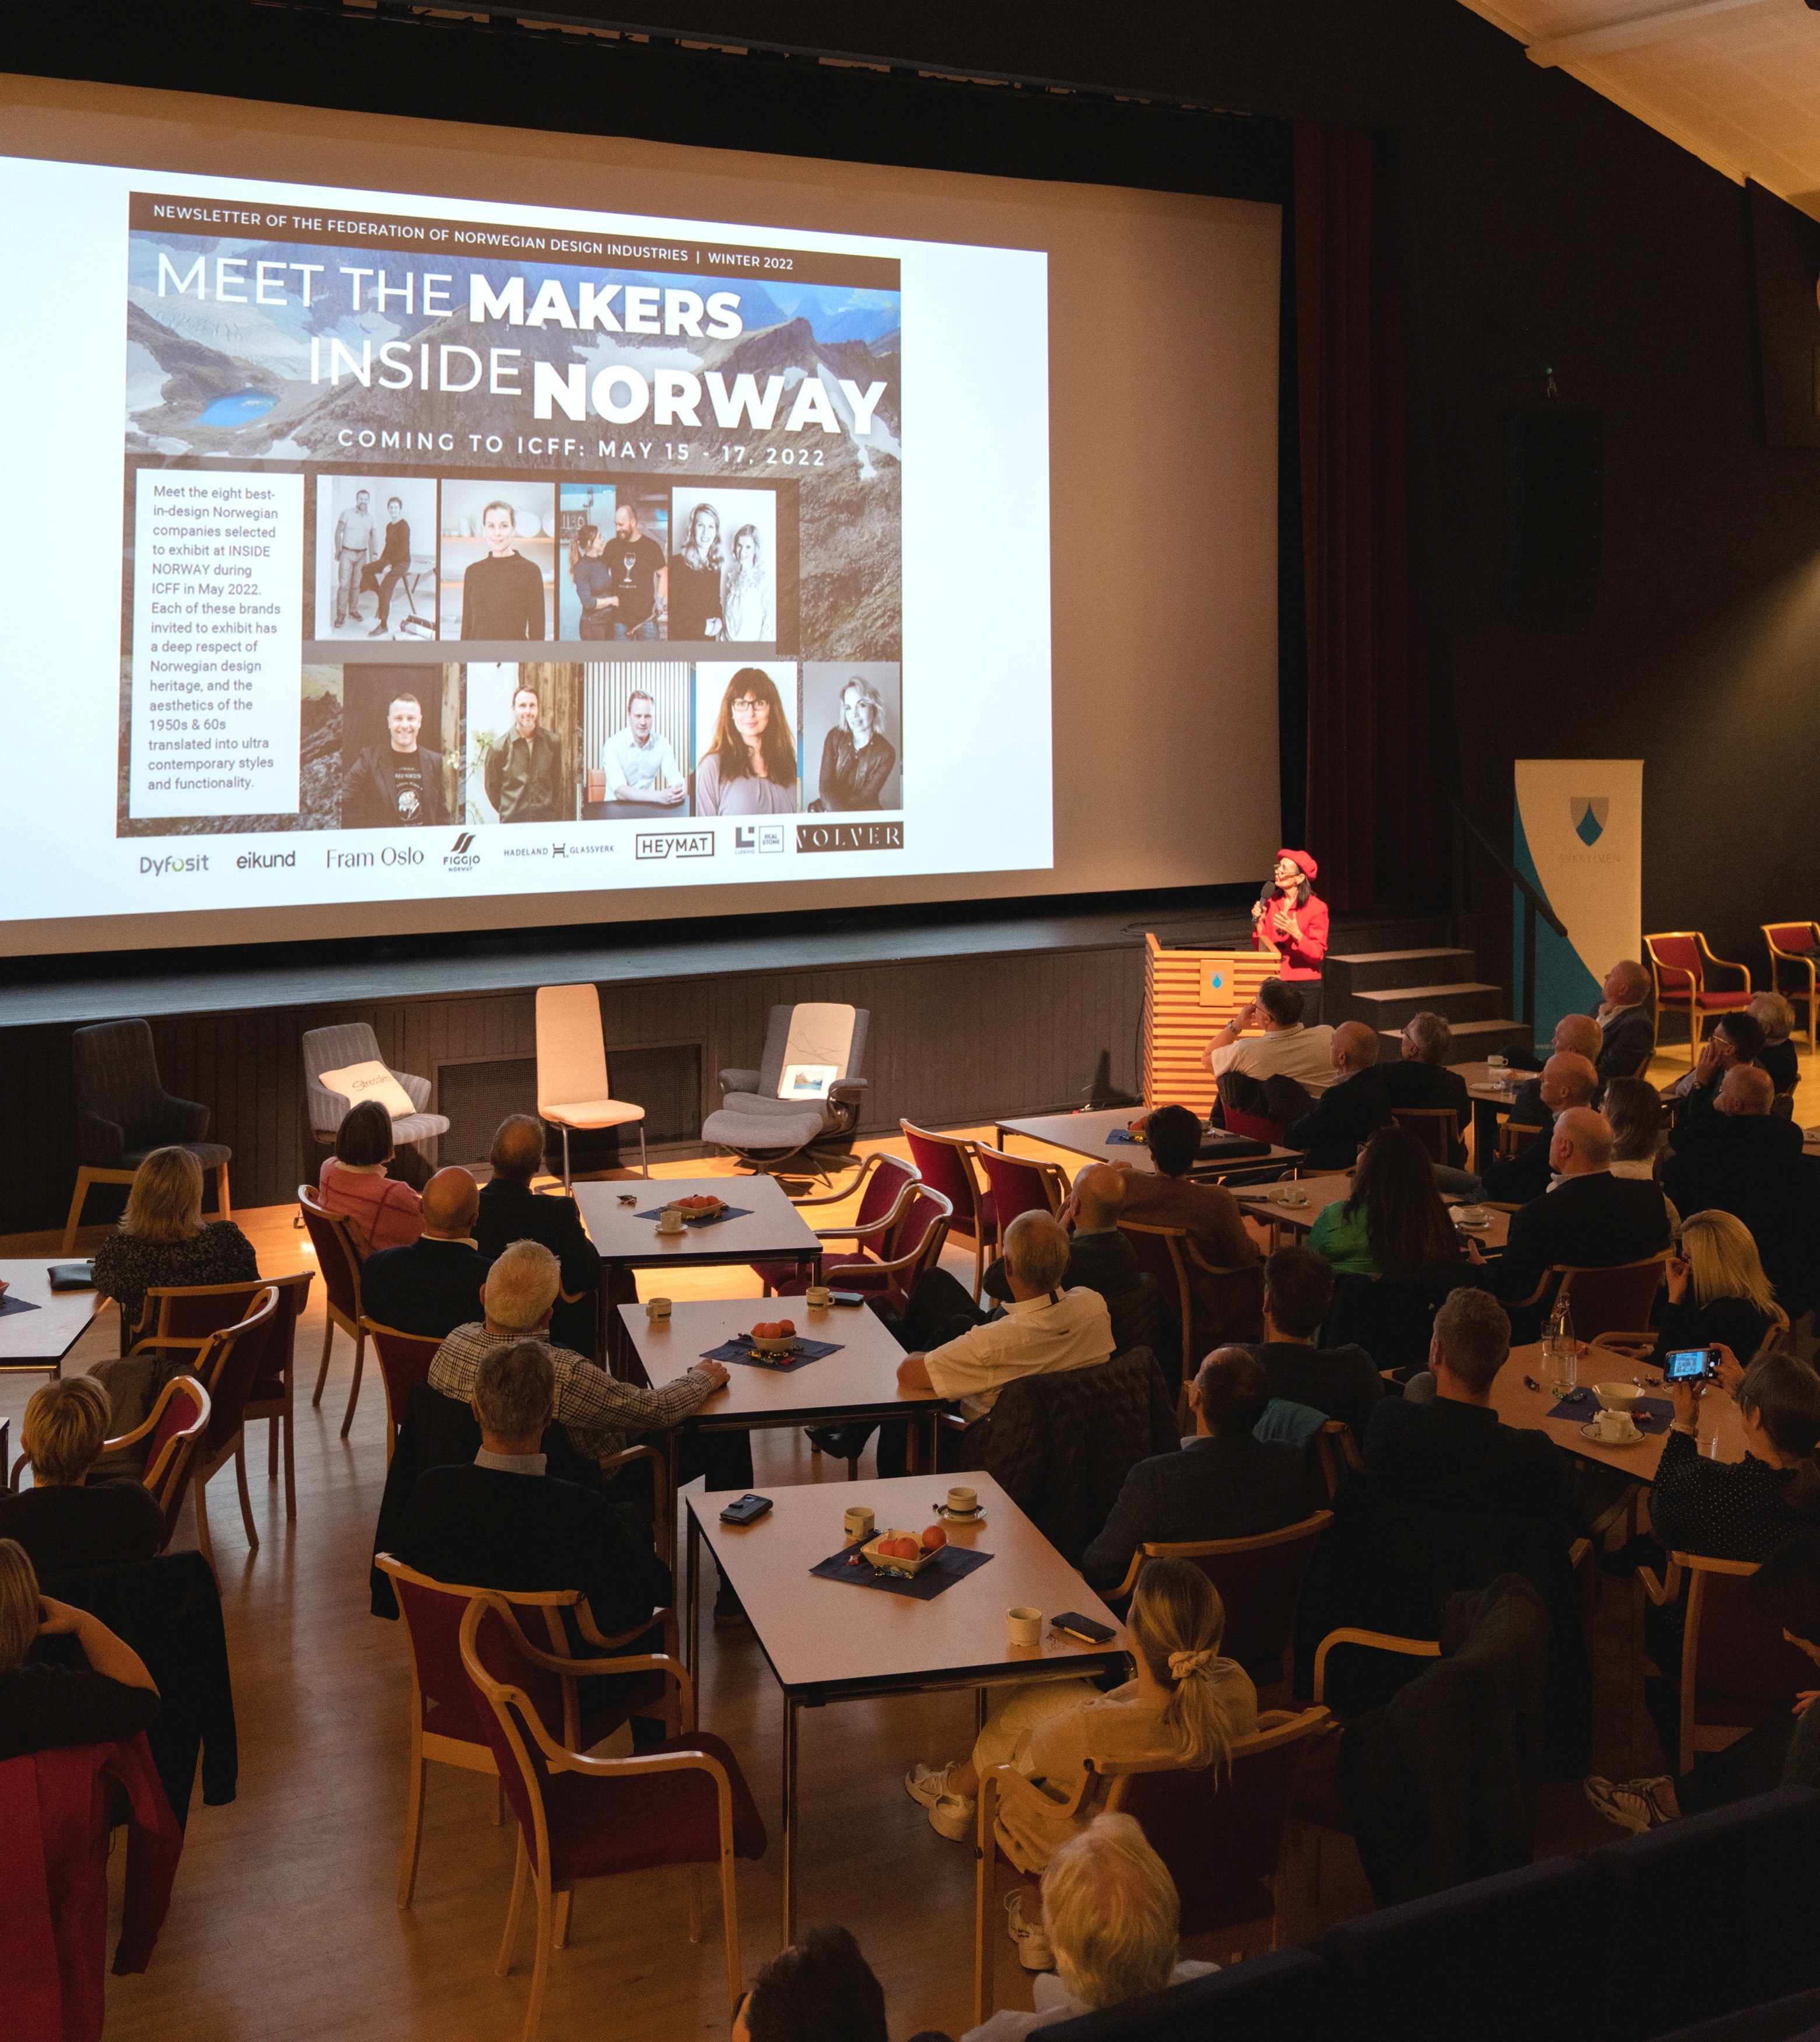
(162, 1243)
(1287, 1048)
(383, 1212)
(1783, 1752)
(1626, 1029)
(1742, 1510)
(62, 1520)
(1394, 1223)
(429, 1287)
(1567, 1080)
(511, 1211)
(1589, 1220)
(1113, 1920)
(1351, 1109)
(1634, 1108)
(501, 1523)
(44, 1708)
(818, 1989)
(1450, 1451)
(1575, 1035)
(1045, 1329)
(1341, 1381)
(1420, 1075)
(1736, 1038)
(1167, 1196)
(1099, 1257)
(1186, 1705)
(1718, 1295)
(594, 1409)
(1223, 1484)
(1779, 1055)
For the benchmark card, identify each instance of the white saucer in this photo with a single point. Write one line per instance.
(1471, 1225)
(959, 1516)
(1599, 1440)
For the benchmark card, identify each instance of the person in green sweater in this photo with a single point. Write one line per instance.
(1785, 1753)
(1395, 1223)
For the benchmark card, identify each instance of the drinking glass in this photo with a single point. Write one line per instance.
(1561, 1361)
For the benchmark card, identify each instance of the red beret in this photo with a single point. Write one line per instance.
(1300, 858)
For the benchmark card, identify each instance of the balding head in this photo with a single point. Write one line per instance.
(518, 1150)
(1579, 1035)
(1747, 1089)
(1568, 1080)
(1355, 1047)
(1036, 1255)
(1099, 1199)
(1582, 1142)
(451, 1204)
(1627, 982)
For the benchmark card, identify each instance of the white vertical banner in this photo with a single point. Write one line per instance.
(1579, 840)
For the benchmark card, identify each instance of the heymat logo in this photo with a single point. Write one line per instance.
(461, 856)
(675, 843)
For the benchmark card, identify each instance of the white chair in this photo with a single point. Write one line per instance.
(572, 1086)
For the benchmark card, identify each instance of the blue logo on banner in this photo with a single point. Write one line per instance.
(1589, 812)
(1216, 980)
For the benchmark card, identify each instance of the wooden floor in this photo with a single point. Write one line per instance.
(283, 1923)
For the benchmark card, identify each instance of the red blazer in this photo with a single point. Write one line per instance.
(1301, 959)
(55, 1810)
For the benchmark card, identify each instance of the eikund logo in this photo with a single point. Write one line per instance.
(1589, 812)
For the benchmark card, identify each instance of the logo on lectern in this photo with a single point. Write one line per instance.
(1589, 812)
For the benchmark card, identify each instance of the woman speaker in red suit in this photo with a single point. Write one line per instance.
(1289, 918)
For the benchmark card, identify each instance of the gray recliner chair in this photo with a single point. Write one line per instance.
(767, 1127)
(354, 1042)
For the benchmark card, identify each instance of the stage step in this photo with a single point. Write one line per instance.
(1468, 999)
(1375, 971)
(1474, 1041)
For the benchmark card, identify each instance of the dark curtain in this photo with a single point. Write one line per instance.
(1372, 797)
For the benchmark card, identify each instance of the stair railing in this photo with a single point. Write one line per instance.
(1533, 903)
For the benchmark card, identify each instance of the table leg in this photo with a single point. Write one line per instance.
(789, 1817)
(672, 1468)
(979, 1710)
(692, 1593)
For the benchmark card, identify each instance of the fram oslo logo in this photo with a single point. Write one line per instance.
(462, 855)
(675, 843)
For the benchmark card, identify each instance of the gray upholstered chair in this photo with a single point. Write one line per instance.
(123, 1112)
(354, 1042)
(773, 1132)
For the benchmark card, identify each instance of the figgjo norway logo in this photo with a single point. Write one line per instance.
(461, 856)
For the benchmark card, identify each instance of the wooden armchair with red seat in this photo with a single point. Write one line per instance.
(892, 1254)
(1603, 1302)
(1794, 968)
(686, 1802)
(340, 1258)
(1225, 1305)
(1020, 1184)
(1678, 961)
(173, 1436)
(945, 1164)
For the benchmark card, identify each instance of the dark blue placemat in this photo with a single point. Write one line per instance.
(1120, 1135)
(15, 1305)
(1652, 1414)
(729, 1212)
(956, 1563)
(1580, 1404)
(810, 1350)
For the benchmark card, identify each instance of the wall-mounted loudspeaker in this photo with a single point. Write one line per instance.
(1554, 499)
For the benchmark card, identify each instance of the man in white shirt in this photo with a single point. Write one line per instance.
(355, 534)
(1044, 1330)
(641, 767)
(1286, 1049)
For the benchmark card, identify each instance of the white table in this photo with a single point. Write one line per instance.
(772, 1230)
(36, 1342)
(1085, 1134)
(828, 1641)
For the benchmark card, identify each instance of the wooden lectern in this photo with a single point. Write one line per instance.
(1188, 996)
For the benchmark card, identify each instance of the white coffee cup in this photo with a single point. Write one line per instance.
(657, 1307)
(817, 1296)
(1024, 1625)
(670, 1220)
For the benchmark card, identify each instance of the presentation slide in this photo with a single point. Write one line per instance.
(442, 556)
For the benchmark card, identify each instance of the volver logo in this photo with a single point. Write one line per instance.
(849, 836)
(462, 855)
(758, 836)
(675, 843)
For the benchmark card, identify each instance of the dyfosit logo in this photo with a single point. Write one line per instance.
(674, 843)
(462, 855)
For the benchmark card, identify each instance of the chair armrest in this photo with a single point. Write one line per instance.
(1722, 964)
(739, 1081)
(1213, 1269)
(99, 1143)
(1667, 1589)
(1542, 1283)
(847, 1088)
(1379, 1641)
(327, 1109)
(1131, 1574)
(1011, 1785)
(418, 1088)
(1579, 1550)
(661, 1505)
(181, 1119)
(1637, 1346)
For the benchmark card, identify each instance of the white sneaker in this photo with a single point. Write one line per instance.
(951, 1815)
(1034, 1951)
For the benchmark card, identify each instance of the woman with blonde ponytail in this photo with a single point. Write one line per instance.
(1185, 1704)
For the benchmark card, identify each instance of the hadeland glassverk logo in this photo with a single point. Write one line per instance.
(1589, 812)
(461, 856)
(849, 836)
(675, 843)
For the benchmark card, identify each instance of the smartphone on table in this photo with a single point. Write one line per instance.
(747, 1511)
(1084, 1628)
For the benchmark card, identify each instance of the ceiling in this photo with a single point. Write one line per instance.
(1736, 81)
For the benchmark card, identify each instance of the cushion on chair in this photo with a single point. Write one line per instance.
(734, 1127)
(1749, 1875)
(599, 1826)
(593, 1113)
(1281, 1994)
(1514, 1949)
(211, 1155)
(1710, 1000)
